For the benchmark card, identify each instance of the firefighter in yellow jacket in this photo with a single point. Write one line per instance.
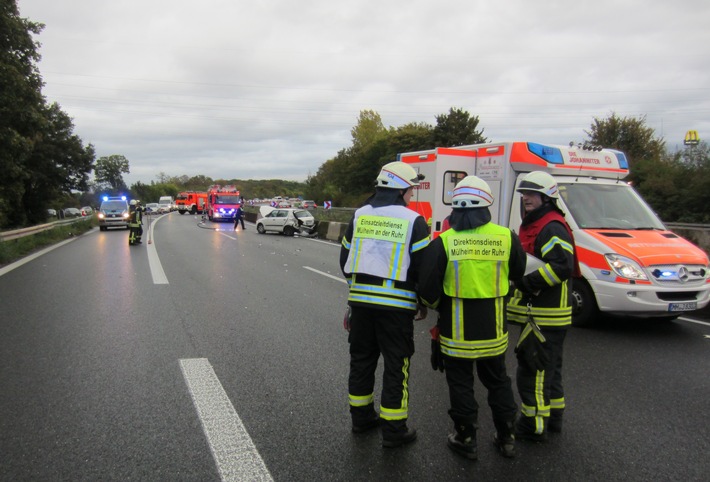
(380, 257)
(544, 294)
(466, 277)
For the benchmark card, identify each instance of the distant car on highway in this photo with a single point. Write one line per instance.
(152, 208)
(308, 204)
(51, 213)
(87, 211)
(287, 221)
(164, 208)
(72, 213)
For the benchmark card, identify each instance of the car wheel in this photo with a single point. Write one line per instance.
(584, 304)
(289, 231)
(260, 228)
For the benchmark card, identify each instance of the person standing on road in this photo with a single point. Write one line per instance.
(546, 295)
(466, 277)
(135, 222)
(239, 217)
(380, 256)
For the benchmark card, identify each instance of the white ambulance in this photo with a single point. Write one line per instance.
(631, 264)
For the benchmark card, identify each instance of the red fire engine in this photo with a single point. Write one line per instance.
(222, 202)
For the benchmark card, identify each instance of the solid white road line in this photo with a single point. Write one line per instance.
(690, 320)
(233, 450)
(36, 255)
(336, 278)
(156, 268)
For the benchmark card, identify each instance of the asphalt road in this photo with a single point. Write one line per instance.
(211, 354)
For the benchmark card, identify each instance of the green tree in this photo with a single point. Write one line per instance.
(59, 163)
(110, 170)
(20, 107)
(630, 135)
(457, 128)
(368, 129)
(41, 160)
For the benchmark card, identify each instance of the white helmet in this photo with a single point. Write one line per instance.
(133, 202)
(472, 192)
(538, 181)
(398, 175)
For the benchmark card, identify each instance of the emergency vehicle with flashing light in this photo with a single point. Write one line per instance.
(631, 264)
(192, 202)
(113, 213)
(222, 202)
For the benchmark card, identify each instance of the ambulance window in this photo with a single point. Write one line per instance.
(451, 178)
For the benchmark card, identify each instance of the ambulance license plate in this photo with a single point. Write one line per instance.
(690, 306)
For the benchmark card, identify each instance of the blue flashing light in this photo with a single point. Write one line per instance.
(623, 162)
(105, 198)
(551, 155)
(123, 198)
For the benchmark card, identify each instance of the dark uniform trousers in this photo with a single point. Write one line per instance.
(492, 373)
(550, 380)
(390, 333)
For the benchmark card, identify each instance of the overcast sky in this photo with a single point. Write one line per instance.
(264, 89)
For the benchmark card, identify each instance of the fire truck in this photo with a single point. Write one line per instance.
(631, 264)
(192, 202)
(222, 202)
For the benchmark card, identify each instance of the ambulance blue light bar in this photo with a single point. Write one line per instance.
(552, 155)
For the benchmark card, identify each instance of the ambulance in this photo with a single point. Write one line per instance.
(631, 264)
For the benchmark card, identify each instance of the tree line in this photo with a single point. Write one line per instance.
(45, 165)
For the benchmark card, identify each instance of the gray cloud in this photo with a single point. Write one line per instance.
(271, 89)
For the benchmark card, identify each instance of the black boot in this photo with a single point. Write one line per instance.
(554, 424)
(463, 441)
(395, 433)
(504, 439)
(364, 418)
(524, 430)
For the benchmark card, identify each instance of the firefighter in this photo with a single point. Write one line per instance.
(380, 257)
(546, 295)
(135, 222)
(466, 277)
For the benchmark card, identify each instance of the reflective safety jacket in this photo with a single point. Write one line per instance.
(136, 217)
(380, 256)
(545, 235)
(466, 278)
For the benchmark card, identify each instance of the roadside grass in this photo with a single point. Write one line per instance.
(14, 249)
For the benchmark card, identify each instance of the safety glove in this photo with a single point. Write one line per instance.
(437, 358)
(530, 349)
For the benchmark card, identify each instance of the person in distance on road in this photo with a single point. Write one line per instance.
(545, 295)
(239, 216)
(380, 256)
(466, 277)
(135, 222)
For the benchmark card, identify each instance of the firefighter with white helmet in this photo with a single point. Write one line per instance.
(467, 275)
(380, 256)
(135, 222)
(545, 295)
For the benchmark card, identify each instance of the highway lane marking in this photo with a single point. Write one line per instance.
(233, 450)
(336, 278)
(156, 268)
(690, 320)
(36, 255)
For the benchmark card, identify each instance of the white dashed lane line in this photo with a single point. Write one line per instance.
(233, 450)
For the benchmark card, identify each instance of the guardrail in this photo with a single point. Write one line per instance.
(20, 233)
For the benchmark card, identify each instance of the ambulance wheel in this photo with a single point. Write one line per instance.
(584, 304)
